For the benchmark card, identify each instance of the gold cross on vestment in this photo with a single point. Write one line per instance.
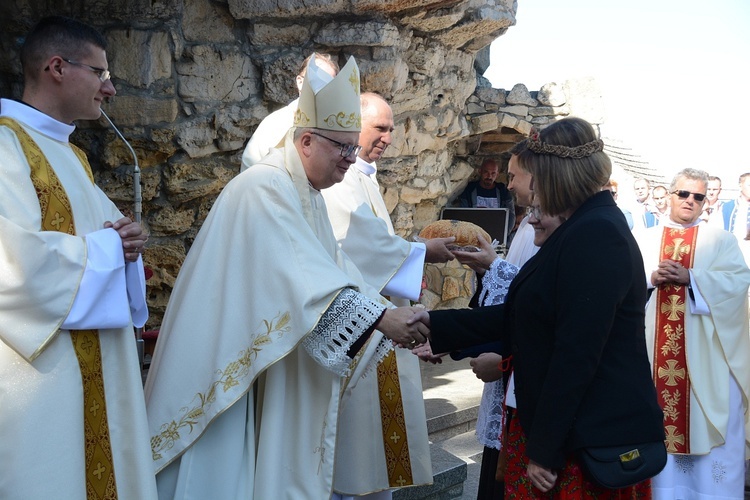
(675, 308)
(671, 372)
(99, 471)
(59, 219)
(395, 437)
(673, 438)
(677, 249)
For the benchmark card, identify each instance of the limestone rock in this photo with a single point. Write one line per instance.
(216, 74)
(207, 22)
(140, 57)
(130, 110)
(344, 34)
(552, 94)
(519, 94)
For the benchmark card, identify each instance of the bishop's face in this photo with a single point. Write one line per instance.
(325, 164)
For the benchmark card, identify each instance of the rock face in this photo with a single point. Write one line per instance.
(194, 79)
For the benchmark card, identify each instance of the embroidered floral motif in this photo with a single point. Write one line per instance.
(229, 377)
(684, 463)
(718, 471)
(673, 343)
(671, 399)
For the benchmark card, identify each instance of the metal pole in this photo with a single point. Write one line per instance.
(138, 205)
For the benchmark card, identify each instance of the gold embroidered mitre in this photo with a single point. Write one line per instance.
(330, 103)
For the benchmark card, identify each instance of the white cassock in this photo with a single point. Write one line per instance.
(243, 393)
(394, 266)
(52, 282)
(718, 358)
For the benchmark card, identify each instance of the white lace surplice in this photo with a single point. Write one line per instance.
(495, 283)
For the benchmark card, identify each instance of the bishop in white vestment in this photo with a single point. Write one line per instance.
(267, 325)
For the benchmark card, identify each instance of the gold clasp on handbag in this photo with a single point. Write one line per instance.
(629, 456)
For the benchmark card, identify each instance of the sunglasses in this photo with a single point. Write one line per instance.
(683, 195)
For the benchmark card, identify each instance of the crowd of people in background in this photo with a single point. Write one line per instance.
(287, 362)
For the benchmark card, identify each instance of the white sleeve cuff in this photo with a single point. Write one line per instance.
(698, 304)
(102, 298)
(407, 282)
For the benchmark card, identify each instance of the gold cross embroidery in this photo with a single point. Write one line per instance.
(99, 470)
(671, 372)
(401, 481)
(395, 437)
(59, 219)
(390, 394)
(94, 407)
(673, 438)
(674, 308)
(677, 249)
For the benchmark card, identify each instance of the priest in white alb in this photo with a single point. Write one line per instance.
(394, 266)
(269, 323)
(697, 337)
(72, 418)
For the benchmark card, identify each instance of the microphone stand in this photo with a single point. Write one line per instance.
(138, 202)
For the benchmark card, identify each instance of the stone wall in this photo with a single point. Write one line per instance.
(195, 77)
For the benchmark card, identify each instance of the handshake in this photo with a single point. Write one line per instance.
(408, 327)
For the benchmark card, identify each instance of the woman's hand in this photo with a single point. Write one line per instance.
(479, 261)
(486, 366)
(424, 352)
(542, 478)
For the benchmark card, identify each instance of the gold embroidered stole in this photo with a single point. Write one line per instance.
(57, 215)
(670, 361)
(395, 442)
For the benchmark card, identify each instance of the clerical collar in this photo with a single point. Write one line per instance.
(364, 167)
(37, 120)
(670, 223)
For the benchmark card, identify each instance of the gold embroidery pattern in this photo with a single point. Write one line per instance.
(354, 80)
(57, 215)
(229, 377)
(671, 377)
(100, 474)
(671, 399)
(395, 440)
(673, 342)
(343, 120)
(301, 119)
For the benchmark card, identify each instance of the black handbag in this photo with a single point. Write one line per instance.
(616, 467)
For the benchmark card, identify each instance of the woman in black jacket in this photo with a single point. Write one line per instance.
(572, 327)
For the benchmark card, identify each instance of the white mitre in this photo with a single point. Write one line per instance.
(330, 103)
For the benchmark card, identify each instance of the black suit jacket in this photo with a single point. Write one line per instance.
(574, 323)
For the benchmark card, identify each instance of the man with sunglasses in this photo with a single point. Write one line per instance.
(72, 416)
(697, 337)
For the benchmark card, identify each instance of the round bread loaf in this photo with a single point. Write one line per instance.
(465, 232)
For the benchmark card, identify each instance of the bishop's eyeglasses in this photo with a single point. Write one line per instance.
(346, 149)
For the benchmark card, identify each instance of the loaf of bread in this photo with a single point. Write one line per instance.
(465, 232)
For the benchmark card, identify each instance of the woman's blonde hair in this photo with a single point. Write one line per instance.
(568, 164)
